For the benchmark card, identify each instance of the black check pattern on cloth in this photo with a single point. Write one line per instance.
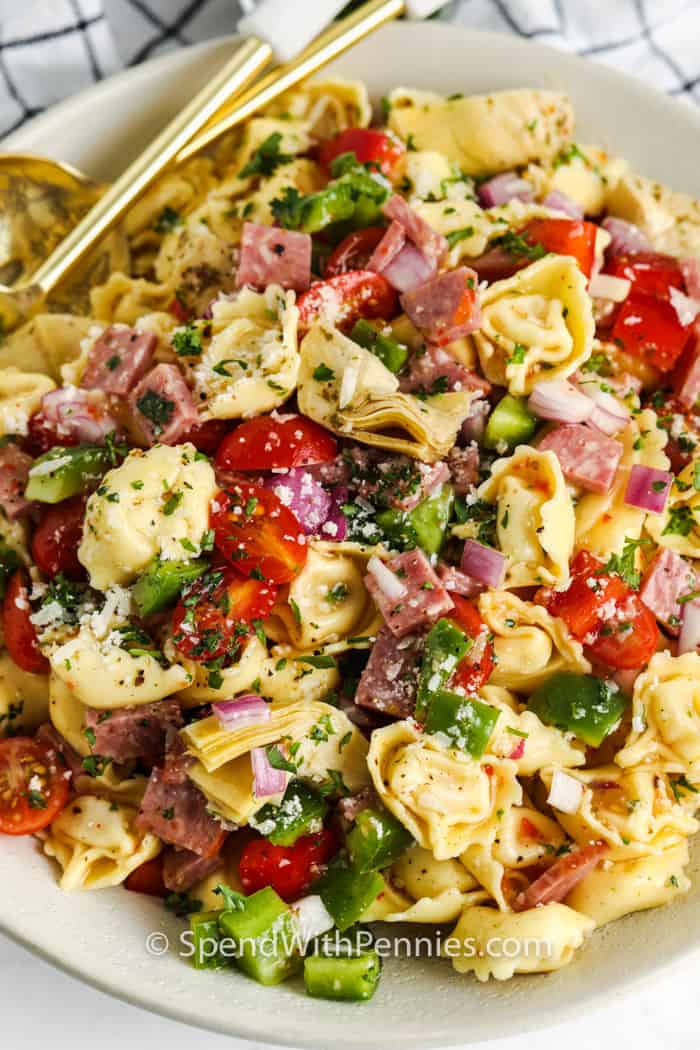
(51, 49)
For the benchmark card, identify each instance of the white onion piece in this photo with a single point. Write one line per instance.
(312, 918)
(626, 237)
(560, 401)
(559, 201)
(503, 188)
(387, 581)
(686, 308)
(565, 792)
(689, 637)
(605, 286)
(608, 415)
(348, 386)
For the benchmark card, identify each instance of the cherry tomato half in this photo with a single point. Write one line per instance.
(33, 786)
(347, 298)
(474, 670)
(288, 869)
(354, 252)
(649, 272)
(649, 328)
(57, 537)
(214, 614)
(271, 443)
(257, 534)
(574, 237)
(369, 146)
(20, 635)
(208, 435)
(148, 878)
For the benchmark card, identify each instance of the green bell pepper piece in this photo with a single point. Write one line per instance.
(9, 562)
(424, 526)
(347, 893)
(445, 645)
(465, 722)
(300, 812)
(354, 196)
(161, 583)
(389, 351)
(580, 704)
(206, 938)
(64, 472)
(265, 937)
(510, 422)
(377, 839)
(354, 977)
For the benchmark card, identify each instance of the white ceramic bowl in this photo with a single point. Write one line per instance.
(101, 937)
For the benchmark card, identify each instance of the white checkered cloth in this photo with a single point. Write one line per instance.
(51, 49)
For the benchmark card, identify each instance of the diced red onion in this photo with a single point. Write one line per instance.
(518, 751)
(409, 269)
(474, 425)
(606, 286)
(453, 579)
(687, 309)
(648, 488)
(565, 792)
(690, 268)
(78, 414)
(559, 201)
(626, 237)
(308, 501)
(387, 581)
(312, 918)
(335, 527)
(245, 711)
(503, 188)
(608, 415)
(267, 780)
(560, 401)
(483, 563)
(689, 638)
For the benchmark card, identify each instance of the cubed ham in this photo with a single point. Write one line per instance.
(182, 868)
(71, 416)
(667, 579)
(48, 735)
(453, 579)
(389, 682)
(270, 255)
(134, 732)
(118, 359)
(431, 244)
(14, 471)
(162, 407)
(425, 599)
(176, 811)
(463, 464)
(686, 375)
(474, 425)
(587, 457)
(436, 371)
(388, 248)
(446, 307)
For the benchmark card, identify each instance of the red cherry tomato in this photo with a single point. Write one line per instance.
(20, 636)
(347, 298)
(474, 670)
(649, 328)
(354, 252)
(289, 870)
(148, 878)
(573, 237)
(57, 537)
(257, 534)
(271, 443)
(369, 146)
(33, 786)
(178, 309)
(649, 272)
(42, 435)
(214, 614)
(208, 435)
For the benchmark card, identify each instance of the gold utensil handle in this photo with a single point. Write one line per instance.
(328, 45)
(250, 58)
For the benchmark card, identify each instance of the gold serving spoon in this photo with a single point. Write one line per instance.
(49, 208)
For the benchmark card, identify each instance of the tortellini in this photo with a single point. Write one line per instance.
(250, 363)
(671, 220)
(483, 134)
(24, 698)
(484, 939)
(586, 174)
(123, 300)
(418, 888)
(45, 344)
(445, 798)
(96, 843)
(534, 517)
(155, 504)
(535, 325)
(678, 527)
(20, 397)
(529, 643)
(347, 389)
(329, 104)
(520, 736)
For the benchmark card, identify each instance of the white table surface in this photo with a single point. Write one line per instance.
(42, 1007)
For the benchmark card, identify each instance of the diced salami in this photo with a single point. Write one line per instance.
(14, 471)
(162, 406)
(71, 416)
(176, 811)
(587, 457)
(430, 477)
(134, 732)
(453, 579)
(686, 375)
(558, 881)
(667, 579)
(432, 245)
(182, 868)
(424, 602)
(118, 359)
(435, 371)
(270, 255)
(463, 464)
(474, 425)
(389, 682)
(49, 735)
(388, 248)
(446, 307)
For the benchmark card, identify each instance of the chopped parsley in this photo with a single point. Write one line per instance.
(518, 355)
(187, 342)
(278, 761)
(266, 158)
(323, 374)
(172, 502)
(681, 522)
(460, 235)
(181, 904)
(516, 245)
(623, 565)
(168, 220)
(158, 410)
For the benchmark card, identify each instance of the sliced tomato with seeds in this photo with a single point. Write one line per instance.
(276, 442)
(347, 298)
(289, 870)
(57, 537)
(649, 272)
(34, 787)
(257, 534)
(148, 878)
(20, 634)
(574, 237)
(215, 614)
(648, 328)
(474, 670)
(369, 146)
(354, 252)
